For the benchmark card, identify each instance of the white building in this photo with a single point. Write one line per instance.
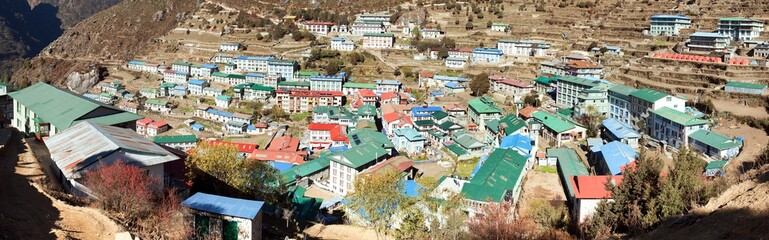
(359, 28)
(252, 63)
(342, 44)
(282, 68)
(181, 142)
(524, 48)
(487, 55)
(177, 77)
(499, 27)
(668, 25)
(643, 101)
(322, 28)
(456, 63)
(431, 33)
(294, 101)
(346, 166)
(223, 101)
(570, 88)
(673, 127)
(182, 67)
(378, 40)
(229, 46)
(327, 82)
(510, 87)
(589, 192)
(204, 70)
(383, 86)
(740, 29)
(705, 41)
(620, 103)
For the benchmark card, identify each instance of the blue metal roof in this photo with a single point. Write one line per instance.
(424, 111)
(219, 113)
(338, 39)
(436, 93)
(209, 66)
(258, 75)
(196, 82)
(256, 58)
(519, 142)
(281, 166)
(389, 82)
(411, 188)
(91, 96)
(453, 85)
(708, 34)
(197, 127)
(335, 78)
(617, 154)
(227, 206)
(450, 78)
(620, 129)
(181, 88)
(134, 62)
(182, 73)
(670, 16)
(493, 51)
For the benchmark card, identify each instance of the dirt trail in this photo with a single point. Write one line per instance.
(26, 212)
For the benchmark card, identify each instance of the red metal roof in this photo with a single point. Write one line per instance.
(242, 147)
(311, 93)
(426, 74)
(319, 23)
(279, 156)
(143, 121)
(158, 124)
(261, 125)
(284, 143)
(593, 187)
(338, 133)
(321, 126)
(527, 111)
(366, 93)
(388, 95)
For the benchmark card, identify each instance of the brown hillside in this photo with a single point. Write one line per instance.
(111, 36)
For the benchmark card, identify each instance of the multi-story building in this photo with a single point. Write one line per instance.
(487, 55)
(668, 25)
(360, 28)
(673, 127)
(327, 82)
(482, 110)
(427, 79)
(334, 114)
(143, 66)
(596, 98)
(222, 58)
(228, 78)
(388, 86)
(499, 179)
(251, 91)
(327, 135)
(552, 68)
(302, 76)
(378, 40)
(195, 86)
(322, 28)
(294, 101)
(282, 68)
(352, 88)
(510, 87)
(181, 142)
(204, 70)
(524, 48)
(431, 33)
(173, 76)
(182, 67)
(212, 91)
(223, 101)
(346, 166)
(570, 88)
(373, 17)
(409, 140)
(740, 29)
(645, 100)
(156, 127)
(252, 63)
(584, 69)
(619, 103)
(705, 41)
(342, 44)
(157, 105)
(761, 50)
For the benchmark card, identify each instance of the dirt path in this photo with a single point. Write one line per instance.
(342, 232)
(28, 213)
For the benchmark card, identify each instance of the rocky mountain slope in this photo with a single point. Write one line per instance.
(110, 36)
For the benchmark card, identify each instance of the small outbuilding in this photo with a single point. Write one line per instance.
(219, 217)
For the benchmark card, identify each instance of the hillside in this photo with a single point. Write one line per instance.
(111, 36)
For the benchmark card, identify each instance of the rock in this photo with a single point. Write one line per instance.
(81, 82)
(158, 16)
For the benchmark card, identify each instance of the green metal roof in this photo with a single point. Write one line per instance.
(438, 115)
(305, 169)
(113, 119)
(649, 95)
(156, 102)
(63, 108)
(410, 134)
(167, 85)
(449, 125)
(714, 139)
(500, 173)
(294, 83)
(359, 85)
(282, 62)
(483, 105)
(746, 85)
(679, 117)
(622, 89)
(425, 123)
(569, 164)
(566, 112)
(307, 73)
(716, 165)
(363, 136)
(360, 155)
(182, 64)
(175, 139)
(257, 87)
(223, 98)
(378, 35)
(545, 80)
(579, 81)
(466, 140)
(149, 90)
(228, 75)
(456, 149)
(509, 123)
(500, 24)
(366, 109)
(436, 133)
(553, 122)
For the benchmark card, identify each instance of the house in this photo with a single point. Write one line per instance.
(615, 130)
(230, 68)
(253, 92)
(327, 82)
(223, 101)
(545, 85)
(261, 79)
(672, 127)
(204, 70)
(327, 135)
(668, 25)
(707, 41)
(307, 173)
(378, 40)
(643, 101)
(44, 110)
(715, 168)
(496, 129)
(500, 27)
(284, 143)
(467, 142)
(294, 101)
(487, 55)
(257, 128)
(431, 33)
(740, 29)
(128, 107)
(583, 69)
(229, 46)
(342, 44)
(456, 63)
(715, 145)
(589, 192)
(111, 87)
(219, 217)
(424, 112)
(282, 68)
(388, 86)
(499, 179)
(345, 167)
(157, 127)
(181, 142)
(178, 77)
(184, 67)
(365, 135)
(157, 105)
(228, 78)
(533, 48)
(252, 63)
(613, 157)
(570, 87)
(334, 114)
(557, 129)
(744, 87)
(620, 103)
(390, 98)
(568, 166)
(222, 58)
(212, 91)
(87, 146)
(106, 98)
(521, 143)
(141, 125)
(482, 110)
(195, 86)
(395, 120)
(360, 28)
(761, 50)
(142, 66)
(166, 89)
(305, 75)
(322, 28)
(367, 112)
(510, 87)
(593, 99)
(179, 91)
(352, 88)
(409, 141)
(149, 93)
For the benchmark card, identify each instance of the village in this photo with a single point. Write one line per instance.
(386, 93)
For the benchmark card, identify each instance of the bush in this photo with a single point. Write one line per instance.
(585, 4)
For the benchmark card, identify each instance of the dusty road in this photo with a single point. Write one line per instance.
(28, 213)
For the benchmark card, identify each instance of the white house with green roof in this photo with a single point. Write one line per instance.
(498, 179)
(482, 110)
(745, 87)
(223, 101)
(181, 142)
(508, 125)
(352, 88)
(570, 88)
(715, 145)
(409, 141)
(467, 142)
(345, 167)
(252, 92)
(149, 93)
(499, 27)
(596, 98)
(334, 114)
(45, 110)
(645, 100)
(157, 105)
(673, 127)
(228, 78)
(558, 130)
(308, 173)
(282, 68)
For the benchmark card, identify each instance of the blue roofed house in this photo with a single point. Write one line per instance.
(715, 145)
(409, 141)
(498, 179)
(177, 77)
(252, 63)
(437, 80)
(195, 86)
(179, 91)
(453, 87)
(204, 70)
(615, 130)
(383, 86)
(424, 112)
(521, 143)
(219, 217)
(487, 55)
(668, 25)
(613, 157)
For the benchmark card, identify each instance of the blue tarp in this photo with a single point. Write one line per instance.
(411, 188)
(338, 148)
(281, 166)
(197, 127)
(519, 142)
(478, 166)
(227, 206)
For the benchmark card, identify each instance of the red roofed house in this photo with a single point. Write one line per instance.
(141, 125)
(589, 191)
(284, 143)
(243, 148)
(157, 127)
(368, 97)
(322, 28)
(395, 120)
(526, 112)
(325, 135)
(390, 98)
(425, 78)
(292, 157)
(401, 164)
(510, 87)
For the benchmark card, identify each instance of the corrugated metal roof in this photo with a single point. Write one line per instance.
(227, 206)
(86, 144)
